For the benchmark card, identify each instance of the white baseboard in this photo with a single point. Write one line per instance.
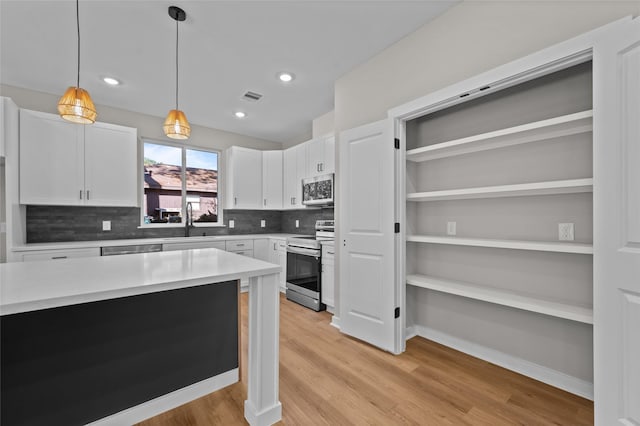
(410, 332)
(169, 401)
(335, 321)
(546, 375)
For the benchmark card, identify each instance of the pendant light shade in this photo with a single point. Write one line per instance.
(176, 125)
(76, 104)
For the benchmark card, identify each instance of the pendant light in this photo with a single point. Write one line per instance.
(76, 104)
(176, 125)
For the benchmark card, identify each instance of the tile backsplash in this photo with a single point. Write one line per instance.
(48, 224)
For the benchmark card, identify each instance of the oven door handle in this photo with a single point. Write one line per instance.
(305, 251)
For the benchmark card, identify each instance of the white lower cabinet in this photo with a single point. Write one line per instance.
(278, 255)
(327, 276)
(59, 254)
(261, 249)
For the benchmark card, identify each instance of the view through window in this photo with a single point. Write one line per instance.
(175, 176)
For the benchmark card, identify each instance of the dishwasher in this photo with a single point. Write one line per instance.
(139, 248)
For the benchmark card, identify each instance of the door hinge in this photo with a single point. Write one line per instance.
(396, 313)
(396, 143)
(396, 228)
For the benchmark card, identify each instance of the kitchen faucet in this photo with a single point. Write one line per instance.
(188, 223)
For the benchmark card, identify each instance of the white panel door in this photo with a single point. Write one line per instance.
(272, 180)
(51, 160)
(111, 165)
(616, 198)
(366, 232)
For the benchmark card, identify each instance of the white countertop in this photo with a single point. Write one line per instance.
(30, 286)
(128, 242)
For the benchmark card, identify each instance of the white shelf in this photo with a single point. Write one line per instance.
(580, 122)
(558, 247)
(571, 186)
(504, 297)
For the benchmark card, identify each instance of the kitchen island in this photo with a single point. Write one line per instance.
(115, 340)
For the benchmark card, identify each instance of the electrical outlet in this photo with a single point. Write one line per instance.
(565, 232)
(106, 225)
(297, 223)
(232, 223)
(451, 228)
(263, 223)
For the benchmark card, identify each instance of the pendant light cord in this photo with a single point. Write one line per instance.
(176, 64)
(78, 26)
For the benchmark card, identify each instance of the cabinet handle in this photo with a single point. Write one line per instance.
(294, 200)
(240, 245)
(81, 194)
(330, 252)
(291, 200)
(322, 167)
(59, 257)
(274, 246)
(87, 194)
(265, 202)
(235, 201)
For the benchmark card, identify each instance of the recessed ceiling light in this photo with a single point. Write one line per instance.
(111, 81)
(239, 114)
(286, 77)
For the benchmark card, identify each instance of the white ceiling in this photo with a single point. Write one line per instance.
(226, 48)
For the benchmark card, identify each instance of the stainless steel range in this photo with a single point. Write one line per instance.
(304, 266)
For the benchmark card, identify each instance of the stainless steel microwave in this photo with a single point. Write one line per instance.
(318, 191)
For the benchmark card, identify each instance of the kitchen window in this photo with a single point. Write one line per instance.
(174, 176)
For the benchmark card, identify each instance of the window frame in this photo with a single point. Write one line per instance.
(183, 148)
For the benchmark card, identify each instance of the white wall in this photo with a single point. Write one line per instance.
(468, 39)
(323, 125)
(148, 126)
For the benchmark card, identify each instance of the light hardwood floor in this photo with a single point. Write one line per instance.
(327, 378)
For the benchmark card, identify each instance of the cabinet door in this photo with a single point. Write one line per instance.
(328, 283)
(278, 255)
(301, 166)
(272, 170)
(261, 249)
(329, 164)
(51, 160)
(315, 157)
(244, 178)
(111, 165)
(295, 160)
(289, 178)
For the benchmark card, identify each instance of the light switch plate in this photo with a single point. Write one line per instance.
(232, 223)
(263, 223)
(451, 228)
(565, 232)
(297, 223)
(106, 225)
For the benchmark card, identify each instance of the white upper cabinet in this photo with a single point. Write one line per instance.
(63, 163)
(110, 165)
(272, 170)
(244, 178)
(320, 156)
(295, 168)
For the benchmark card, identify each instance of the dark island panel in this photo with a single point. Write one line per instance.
(76, 364)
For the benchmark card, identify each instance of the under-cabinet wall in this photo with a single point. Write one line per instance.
(486, 270)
